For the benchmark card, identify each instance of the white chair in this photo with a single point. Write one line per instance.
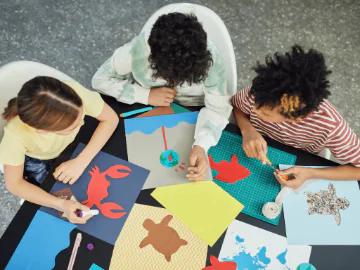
(14, 75)
(215, 29)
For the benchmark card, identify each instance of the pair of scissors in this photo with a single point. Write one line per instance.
(284, 176)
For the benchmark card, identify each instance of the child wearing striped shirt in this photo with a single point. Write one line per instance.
(287, 102)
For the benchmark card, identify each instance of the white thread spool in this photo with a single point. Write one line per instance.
(271, 210)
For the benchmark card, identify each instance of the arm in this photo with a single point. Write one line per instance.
(108, 123)
(70, 171)
(345, 146)
(243, 122)
(114, 78)
(18, 186)
(344, 172)
(212, 119)
(254, 144)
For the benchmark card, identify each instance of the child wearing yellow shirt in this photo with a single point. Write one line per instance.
(42, 121)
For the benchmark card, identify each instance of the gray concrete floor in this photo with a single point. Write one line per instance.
(77, 36)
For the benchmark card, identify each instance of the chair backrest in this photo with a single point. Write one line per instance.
(215, 29)
(15, 74)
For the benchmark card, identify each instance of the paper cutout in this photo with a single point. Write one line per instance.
(65, 194)
(148, 127)
(157, 111)
(162, 237)
(317, 229)
(162, 144)
(178, 109)
(254, 248)
(45, 237)
(128, 255)
(229, 172)
(204, 207)
(217, 265)
(98, 190)
(169, 158)
(172, 109)
(325, 202)
(122, 192)
(164, 138)
(95, 267)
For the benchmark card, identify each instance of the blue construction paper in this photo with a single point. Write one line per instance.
(316, 229)
(45, 237)
(122, 191)
(95, 267)
(148, 125)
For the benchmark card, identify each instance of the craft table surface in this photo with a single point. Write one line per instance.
(322, 257)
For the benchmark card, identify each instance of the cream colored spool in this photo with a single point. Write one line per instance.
(271, 210)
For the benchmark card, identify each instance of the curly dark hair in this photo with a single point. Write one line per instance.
(179, 51)
(295, 81)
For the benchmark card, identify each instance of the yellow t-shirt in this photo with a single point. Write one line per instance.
(20, 139)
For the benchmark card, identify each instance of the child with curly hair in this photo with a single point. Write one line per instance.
(173, 61)
(287, 101)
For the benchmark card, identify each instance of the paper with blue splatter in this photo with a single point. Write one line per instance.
(253, 248)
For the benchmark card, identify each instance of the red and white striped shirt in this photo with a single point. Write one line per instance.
(324, 128)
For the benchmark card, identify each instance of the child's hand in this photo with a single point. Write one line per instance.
(254, 145)
(162, 96)
(70, 171)
(70, 207)
(301, 175)
(198, 164)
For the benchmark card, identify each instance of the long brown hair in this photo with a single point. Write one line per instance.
(45, 103)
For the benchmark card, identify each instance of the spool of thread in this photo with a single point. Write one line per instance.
(271, 210)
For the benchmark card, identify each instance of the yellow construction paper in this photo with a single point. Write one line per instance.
(202, 206)
(128, 255)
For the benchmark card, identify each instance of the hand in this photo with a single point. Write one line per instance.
(70, 171)
(198, 164)
(254, 145)
(301, 175)
(70, 207)
(161, 96)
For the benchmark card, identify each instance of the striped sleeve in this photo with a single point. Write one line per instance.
(344, 144)
(242, 100)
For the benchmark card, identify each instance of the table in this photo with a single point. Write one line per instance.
(322, 257)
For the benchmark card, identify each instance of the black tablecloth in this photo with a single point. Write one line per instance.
(322, 257)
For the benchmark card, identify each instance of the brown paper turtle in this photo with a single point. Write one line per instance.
(162, 237)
